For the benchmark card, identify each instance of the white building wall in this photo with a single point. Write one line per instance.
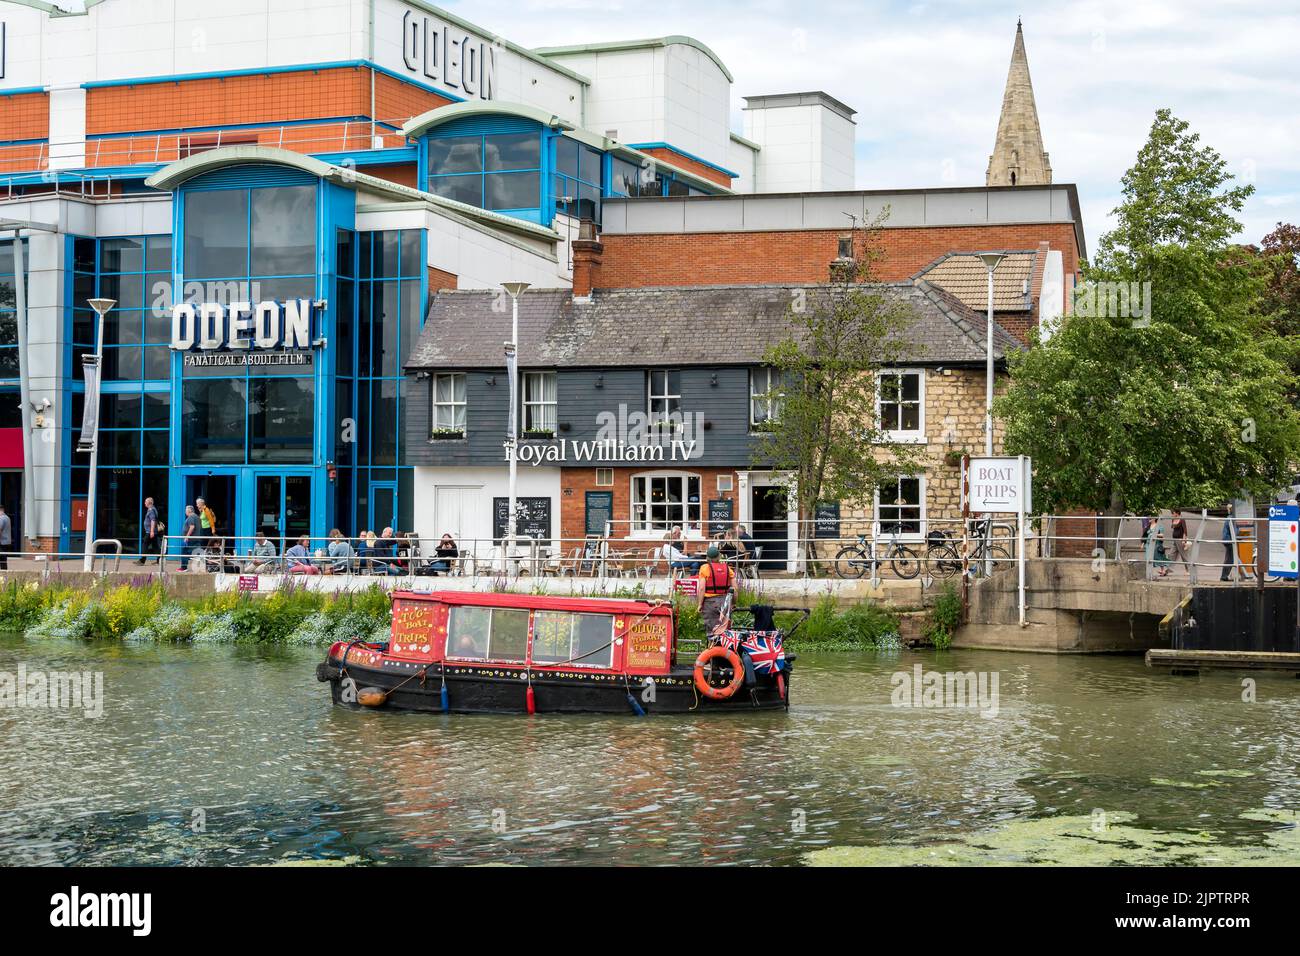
(458, 500)
(1051, 297)
(807, 144)
(743, 160)
(674, 94)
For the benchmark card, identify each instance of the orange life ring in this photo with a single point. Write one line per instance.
(737, 673)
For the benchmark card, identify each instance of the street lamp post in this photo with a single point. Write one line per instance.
(514, 290)
(990, 260)
(101, 307)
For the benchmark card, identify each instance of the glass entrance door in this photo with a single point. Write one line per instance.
(283, 507)
(383, 506)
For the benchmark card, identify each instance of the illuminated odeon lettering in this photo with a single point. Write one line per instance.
(209, 326)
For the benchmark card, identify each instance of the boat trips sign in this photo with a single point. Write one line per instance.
(999, 485)
(1283, 539)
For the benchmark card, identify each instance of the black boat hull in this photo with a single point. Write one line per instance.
(489, 690)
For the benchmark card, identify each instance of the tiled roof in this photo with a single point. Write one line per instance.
(966, 277)
(704, 325)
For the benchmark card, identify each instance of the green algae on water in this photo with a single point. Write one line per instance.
(1084, 841)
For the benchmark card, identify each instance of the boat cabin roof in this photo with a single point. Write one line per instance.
(539, 602)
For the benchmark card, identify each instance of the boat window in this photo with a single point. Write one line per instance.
(581, 639)
(509, 635)
(487, 634)
(467, 632)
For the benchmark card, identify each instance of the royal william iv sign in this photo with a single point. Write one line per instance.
(213, 334)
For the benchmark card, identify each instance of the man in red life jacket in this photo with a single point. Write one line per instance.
(716, 582)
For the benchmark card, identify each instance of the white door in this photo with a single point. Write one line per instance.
(454, 513)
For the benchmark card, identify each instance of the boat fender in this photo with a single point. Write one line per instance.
(636, 707)
(371, 697)
(326, 673)
(530, 700)
(446, 705)
(737, 673)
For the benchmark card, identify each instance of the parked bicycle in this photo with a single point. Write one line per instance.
(854, 560)
(942, 557)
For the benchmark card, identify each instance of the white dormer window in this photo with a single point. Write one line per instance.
(900, 404)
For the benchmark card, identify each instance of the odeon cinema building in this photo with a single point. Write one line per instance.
(304, 214)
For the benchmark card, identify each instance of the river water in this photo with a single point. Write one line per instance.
(234, 755)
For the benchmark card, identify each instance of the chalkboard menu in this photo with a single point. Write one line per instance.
(532, 518)
(600, 511)
(826, 519)
(722, 514)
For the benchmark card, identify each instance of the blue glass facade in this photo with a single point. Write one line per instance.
(519, 167)
(284, 447)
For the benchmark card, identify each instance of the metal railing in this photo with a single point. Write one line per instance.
(131, 149)
(931, 551)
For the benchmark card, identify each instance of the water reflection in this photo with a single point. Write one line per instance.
(244, 737)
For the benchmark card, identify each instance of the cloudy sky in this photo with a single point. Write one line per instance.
(927, 78)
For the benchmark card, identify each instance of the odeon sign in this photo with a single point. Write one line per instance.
(449, 56)
(241, 326)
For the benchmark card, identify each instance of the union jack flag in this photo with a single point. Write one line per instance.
(765, 650)
(725, 638)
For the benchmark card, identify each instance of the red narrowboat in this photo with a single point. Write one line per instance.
(464, 652)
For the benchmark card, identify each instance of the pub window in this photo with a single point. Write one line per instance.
(666, 500)
(665, 394)
(901, 404)
(583, 640)
(449, 403)
(604, 477)
(765, 397)
(488, 634)
(539, 403)
(900, 506)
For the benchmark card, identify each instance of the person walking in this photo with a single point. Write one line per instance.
(151, 532)
(6, 537)
(189, 536)
(717, 582)
(1178, 539)
(207, 518)
(1229, 549)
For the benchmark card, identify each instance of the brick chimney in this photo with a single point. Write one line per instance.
(587, 251)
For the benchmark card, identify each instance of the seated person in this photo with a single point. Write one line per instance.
(447, 553)
(678, 559)
(340, 554)
(385, 549)
(263, 559)
(298, 558)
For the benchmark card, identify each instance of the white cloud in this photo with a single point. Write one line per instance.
(927, 78)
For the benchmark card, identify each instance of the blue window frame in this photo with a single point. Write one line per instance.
(628, 179)
(497, 171)
(135, 404)
(251, 244)
(380, 299)
(576, 181)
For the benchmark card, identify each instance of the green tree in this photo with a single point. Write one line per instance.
(824, 431)
(1176, 401)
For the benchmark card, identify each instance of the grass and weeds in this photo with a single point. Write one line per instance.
(142, 611)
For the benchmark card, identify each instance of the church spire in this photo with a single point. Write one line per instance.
(1018, 156)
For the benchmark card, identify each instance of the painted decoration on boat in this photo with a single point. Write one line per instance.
(413, 627)
(647, 643)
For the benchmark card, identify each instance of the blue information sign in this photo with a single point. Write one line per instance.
(1283, 540)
